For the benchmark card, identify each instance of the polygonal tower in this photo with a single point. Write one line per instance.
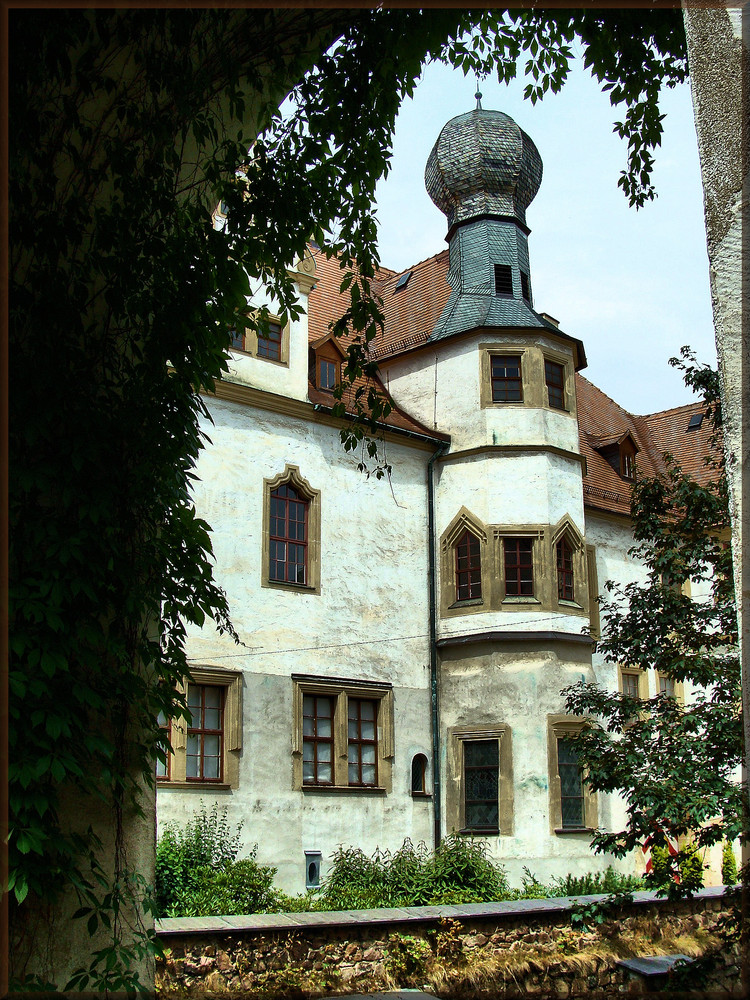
(513, 597)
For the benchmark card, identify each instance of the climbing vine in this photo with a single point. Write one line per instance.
(127, 128)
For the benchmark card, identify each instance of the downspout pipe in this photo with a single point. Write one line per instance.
(434, 687)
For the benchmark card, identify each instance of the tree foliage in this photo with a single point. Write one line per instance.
(127, 127)
(677, 766)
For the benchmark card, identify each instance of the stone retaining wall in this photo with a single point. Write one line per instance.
(526, 948)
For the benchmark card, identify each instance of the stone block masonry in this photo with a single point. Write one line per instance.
(526, 948)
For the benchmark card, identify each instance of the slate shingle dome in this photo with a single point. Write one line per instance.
(483, 164)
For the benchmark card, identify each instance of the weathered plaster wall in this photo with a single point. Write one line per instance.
(517, 685)
(369, 622)
(449, 395)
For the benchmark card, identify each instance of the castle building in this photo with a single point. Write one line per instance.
(406, 641)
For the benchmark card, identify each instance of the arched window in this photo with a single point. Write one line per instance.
(565, 590)
(419, 774)
(288, 550)
(468, 567)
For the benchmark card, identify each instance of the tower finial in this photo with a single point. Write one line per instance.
(478, 96)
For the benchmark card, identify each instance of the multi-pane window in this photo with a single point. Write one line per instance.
(627, 464)
(288, 536)
(571, 785)
(326, 374)
(468, 568)
(238, 338)
(554, 376)
(269, 342)
(317, 740)
(519, 567)
(667, 686)
(205, 734)
(481, 766)
(363, 742)
(630, 684)
(564, 571)
(505, 374)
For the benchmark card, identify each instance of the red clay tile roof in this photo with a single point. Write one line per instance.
(326, 305)
(601, 421)
(411, 313)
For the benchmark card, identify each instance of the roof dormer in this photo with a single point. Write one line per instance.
(326, 356)
(619, 450)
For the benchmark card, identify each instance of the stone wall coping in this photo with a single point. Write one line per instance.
(506, 910)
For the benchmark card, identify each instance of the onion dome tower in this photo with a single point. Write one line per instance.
(483, 173)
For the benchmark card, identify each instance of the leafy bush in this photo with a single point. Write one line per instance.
(691, 868)
(728, 864)
(236, 887)
(593, 883)
(460, 870)
(181, 852)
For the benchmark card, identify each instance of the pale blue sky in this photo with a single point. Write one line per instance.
(633, 285)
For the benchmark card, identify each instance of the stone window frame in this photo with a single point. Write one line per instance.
(231, 681)
(533, 381)
(679, 688)
(595, 624)
(569, 384)
(539, 562)
(623, 669)
(464, 521)
(251, 342)
(340, 690)
(291, 476)
(492, 555)
(562, 727)
(567, 529)
(455, 794)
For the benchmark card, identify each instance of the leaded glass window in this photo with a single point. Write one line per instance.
(481, 765)
(468, 567)
(571, 785)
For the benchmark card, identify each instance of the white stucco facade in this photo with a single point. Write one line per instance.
(402, 674)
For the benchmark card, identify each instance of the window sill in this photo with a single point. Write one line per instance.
(421, 795)
(356, 789)
(483, 831)
(569, 604)
(367, 789)
(521, 600)
(304, 588)
(216, 786)
(574, 829)
(470, 602)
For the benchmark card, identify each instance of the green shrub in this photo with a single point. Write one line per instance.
(236, 887)
(728, 864)
(691, 868)
(594, 883)
(205, 840)
(460, 870)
